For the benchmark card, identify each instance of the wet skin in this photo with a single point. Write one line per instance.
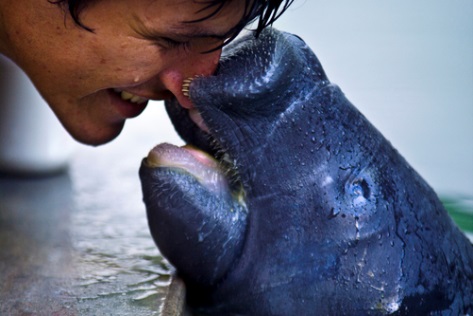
(323, 213)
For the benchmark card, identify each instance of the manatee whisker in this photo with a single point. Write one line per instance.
(227, 164)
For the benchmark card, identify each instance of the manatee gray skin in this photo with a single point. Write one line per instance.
(321, 215)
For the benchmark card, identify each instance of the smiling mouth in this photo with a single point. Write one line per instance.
(130, 97)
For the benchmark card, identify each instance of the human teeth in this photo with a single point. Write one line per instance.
(136, 99)
(127, 96)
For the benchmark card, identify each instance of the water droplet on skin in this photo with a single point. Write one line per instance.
(333, 213)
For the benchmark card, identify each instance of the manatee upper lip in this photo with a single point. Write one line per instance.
(194, 113)
(197, 118)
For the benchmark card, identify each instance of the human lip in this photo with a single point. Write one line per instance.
(127, 108)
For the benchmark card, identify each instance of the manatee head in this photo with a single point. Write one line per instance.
(288, 200)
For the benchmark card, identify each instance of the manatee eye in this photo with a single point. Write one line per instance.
(361, 188)
(360, 191)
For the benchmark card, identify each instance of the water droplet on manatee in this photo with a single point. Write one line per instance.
(333, 213)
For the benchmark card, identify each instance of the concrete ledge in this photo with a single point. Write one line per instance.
(175, 301)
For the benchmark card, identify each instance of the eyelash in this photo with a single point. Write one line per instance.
(172, 44)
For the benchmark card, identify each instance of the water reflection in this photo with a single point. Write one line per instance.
(120, 268)
(36, 257)
(78, 243)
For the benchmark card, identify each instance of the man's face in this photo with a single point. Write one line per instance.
(144, 48)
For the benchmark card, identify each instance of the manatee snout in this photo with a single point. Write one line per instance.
(194, 217)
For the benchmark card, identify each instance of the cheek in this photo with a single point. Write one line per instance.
(129, 64)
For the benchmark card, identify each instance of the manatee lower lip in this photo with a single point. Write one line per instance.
(168, 155)
(191, 160)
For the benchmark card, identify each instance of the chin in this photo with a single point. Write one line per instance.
(97, 136)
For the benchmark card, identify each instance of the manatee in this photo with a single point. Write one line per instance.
(288, 201)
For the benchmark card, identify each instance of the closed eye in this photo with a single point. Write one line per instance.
(202, 45)
(169, 43)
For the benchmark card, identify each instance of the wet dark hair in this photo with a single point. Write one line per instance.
(265, 11)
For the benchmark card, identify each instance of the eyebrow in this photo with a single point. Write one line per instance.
(180, 32)
(197, 32)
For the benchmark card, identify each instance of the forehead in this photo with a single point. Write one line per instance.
(181, 15)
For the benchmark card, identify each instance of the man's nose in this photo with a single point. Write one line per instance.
(189, 66)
